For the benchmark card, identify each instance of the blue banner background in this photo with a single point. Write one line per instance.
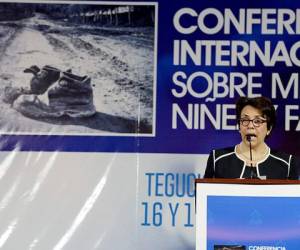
(182, 140)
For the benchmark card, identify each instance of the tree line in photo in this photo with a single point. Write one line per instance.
(100, 15)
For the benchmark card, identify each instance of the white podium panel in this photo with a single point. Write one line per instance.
(248, 216)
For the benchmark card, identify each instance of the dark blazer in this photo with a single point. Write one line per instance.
(225, 163)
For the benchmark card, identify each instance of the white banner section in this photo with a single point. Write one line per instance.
(97, 200)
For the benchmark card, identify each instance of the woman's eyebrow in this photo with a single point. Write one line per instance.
(256, 116)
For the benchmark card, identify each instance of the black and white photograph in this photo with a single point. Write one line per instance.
(85, 68)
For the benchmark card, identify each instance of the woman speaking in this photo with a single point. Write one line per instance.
(252, 157)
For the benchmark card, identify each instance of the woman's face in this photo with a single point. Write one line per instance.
(253, 123)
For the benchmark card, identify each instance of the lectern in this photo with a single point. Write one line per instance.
(247, 214)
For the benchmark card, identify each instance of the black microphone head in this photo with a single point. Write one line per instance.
(248, 137)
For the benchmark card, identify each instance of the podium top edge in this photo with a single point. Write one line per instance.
(247, 181)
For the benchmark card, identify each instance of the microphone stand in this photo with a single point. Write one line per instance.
(252, 174)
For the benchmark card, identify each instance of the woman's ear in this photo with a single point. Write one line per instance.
(269, 131)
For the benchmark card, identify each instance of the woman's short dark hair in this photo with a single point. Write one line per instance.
(263, 104)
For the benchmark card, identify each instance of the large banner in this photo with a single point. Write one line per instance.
(109, 110)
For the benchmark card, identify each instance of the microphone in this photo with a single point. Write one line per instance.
(248, 137)
(253, 174)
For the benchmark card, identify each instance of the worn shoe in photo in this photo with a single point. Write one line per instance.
(42, 78)
(72, 95)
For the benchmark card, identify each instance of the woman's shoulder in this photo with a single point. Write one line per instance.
(279, 155)
(224, 151)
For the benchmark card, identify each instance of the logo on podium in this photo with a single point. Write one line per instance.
(229, 247)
